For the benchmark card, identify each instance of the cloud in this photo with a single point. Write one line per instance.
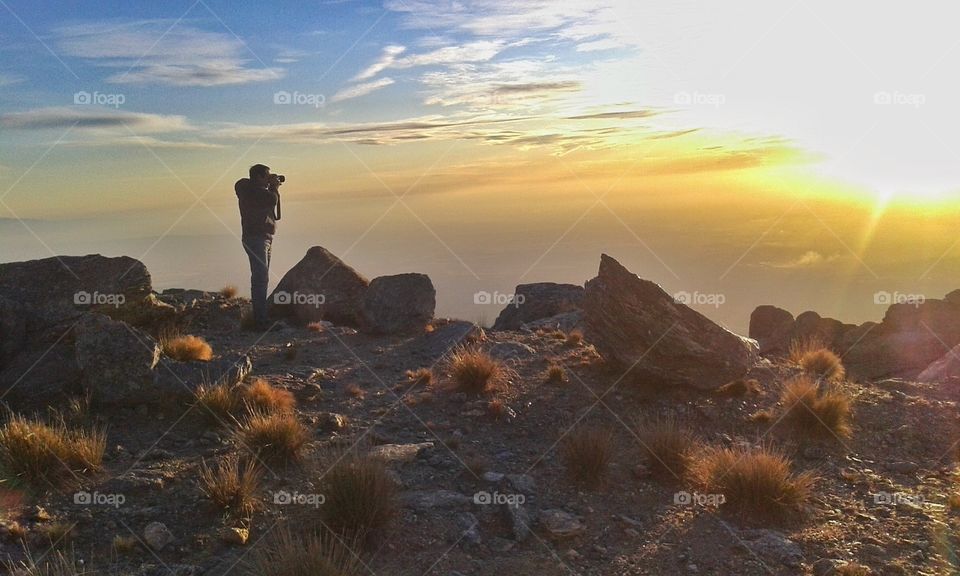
(143, 141)
(9, 79)
(809, 259)
(163, 52)
(361, 89)
(93, 118)
(617, 114)
(538, 87)
(386, 59)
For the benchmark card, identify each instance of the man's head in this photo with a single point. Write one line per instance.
(260, 173)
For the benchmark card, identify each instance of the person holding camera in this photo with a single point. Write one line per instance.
(259, 197)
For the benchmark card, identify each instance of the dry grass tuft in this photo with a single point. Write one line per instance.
(315, 327)
(823, 364)
(556, 374)
(669, 447)
(755, 482)
(122, 544)
(574, 337)
(853, 569)
(361, 496)
(355, 391)
(261, 395)
(814, 411)
(476, 372)
(55, 563)
(420, 377)
(799, 347)
(298, 553)
(186, 348)
(586, 454)
(274, 436)
(232, 485)
(229, 291)
(48, 453)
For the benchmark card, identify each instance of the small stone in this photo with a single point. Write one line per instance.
(157, 536)
(560, 525)
(523, 483)
(902, 467)
(331, 422)
(493, 477)
(235, 536)
(399, 452)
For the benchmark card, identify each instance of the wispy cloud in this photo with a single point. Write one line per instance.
(386, 59)
(361, 89)
(163, 52)
(9, 79)
(93, 118)
(809, 259)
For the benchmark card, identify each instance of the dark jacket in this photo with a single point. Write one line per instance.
(258, 208)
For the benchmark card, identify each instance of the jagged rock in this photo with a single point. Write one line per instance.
(510, 351)
(772, 547)
(398, 304)
(320, 287)
(519, 519)
(430, 499)
(157, 536)
(61, 288)
(537, 301)
(560, 525)
(566, 322)
(636, 326)
(116, 361)
(446, 335)
(394, 453)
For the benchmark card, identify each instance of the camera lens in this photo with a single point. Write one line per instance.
(281, 178)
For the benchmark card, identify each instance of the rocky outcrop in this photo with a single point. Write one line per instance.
(944, 369)
(640, 329)
(320, 287)
(912, 337)
(116, 360)
(534, 302)
(398, 304)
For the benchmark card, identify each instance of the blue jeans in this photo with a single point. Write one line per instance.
(258, 250)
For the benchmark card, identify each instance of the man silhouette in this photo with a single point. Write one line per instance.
(259, 197)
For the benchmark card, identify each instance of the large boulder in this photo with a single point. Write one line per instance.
(320, 287)
(945, 369)
(770, 327)
(639, 328)
(117, 361)
(533, 302)
(62, 288)
(403, 303)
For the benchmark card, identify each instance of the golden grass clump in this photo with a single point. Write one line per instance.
(273, 436)
(261, 395)
(556, 374)
(229, 291)
(668, 445)
(420, 377)
(360, 496)
(475, 372)
(823, 364)
(799, 347)
(231, 485)
(574, 337)
(816, 411)
(186, 348)
(757, 483)
(302, 553)
(48, 453)
(587, 453)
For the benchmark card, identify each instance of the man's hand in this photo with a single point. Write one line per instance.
(274, 182)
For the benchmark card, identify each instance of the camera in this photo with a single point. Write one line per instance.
(281, 178)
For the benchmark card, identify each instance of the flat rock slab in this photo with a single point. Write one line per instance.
(399, 453)
(424, 500)
(560, 525)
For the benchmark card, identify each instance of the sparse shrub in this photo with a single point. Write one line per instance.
(315, 327)
(799, 347)
(586, 454)
(56, 533)
(274, 436)
(55, 563)
(39, 452)
(556, 374)
(123, 544)
(853, 569)
(574, 337)
(668, 445)
(754, 482)
(474, 371)
(261, 395)
(823, 364)
(558, 335)
(232, 485)
(420, 377)
(497, 408)
(299, 553)
(186, 348)
(355, 391)
(360, 496)
(815, 411)
(762, 416)
(739, 387)
(219, 401)
(229, 291)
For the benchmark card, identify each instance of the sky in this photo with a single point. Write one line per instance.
(803, 153)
